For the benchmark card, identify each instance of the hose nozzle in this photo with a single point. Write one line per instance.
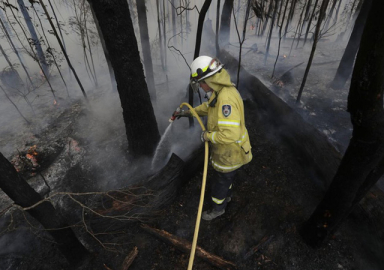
(174, 115)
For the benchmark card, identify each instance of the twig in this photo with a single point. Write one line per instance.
(129, 259)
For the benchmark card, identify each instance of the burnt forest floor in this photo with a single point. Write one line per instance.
(272, 195)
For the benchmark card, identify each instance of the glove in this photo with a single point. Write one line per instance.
(182, 113)
(204, 136)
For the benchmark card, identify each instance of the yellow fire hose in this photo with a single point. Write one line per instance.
(198, 218)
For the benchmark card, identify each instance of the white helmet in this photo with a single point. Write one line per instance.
(203, 67)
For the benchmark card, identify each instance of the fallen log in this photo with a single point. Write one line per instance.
(129, 259)
(185, 246)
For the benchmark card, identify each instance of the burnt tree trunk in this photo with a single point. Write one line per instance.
(270, 9)
(346, 64)
(173, 11)
(363, 162)
(310, 21)
(120, 40)
(225, 24)
(217, 28)
(7, 34)
(146, 47)
(6, 58)
(305, 20)
(160, 35)
(270, 32)
(35, 40)
(323, 9)
(200, 24)
(24, 195)
(106, 53)
(63, 50)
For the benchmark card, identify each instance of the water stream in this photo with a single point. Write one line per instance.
(162, 149)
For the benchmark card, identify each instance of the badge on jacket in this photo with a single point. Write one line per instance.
(226, 110)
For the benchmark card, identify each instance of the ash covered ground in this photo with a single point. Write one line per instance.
(272, 195)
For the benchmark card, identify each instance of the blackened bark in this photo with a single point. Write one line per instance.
(310, 22)
(24, 195)
(290, 16)
(329, 18)
(200, 24)
(323, 9)
(270, 9)
(62, 48)
(362, 164)
(139, 118)
(217, 28)
(35, 39)
(146, 47)
(6, 58)
(225, 24)
(7, 34)
(270, 31)
(346, 64)
(173, 17)
(106, 53)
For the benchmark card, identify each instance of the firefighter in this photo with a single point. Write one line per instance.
(230, 147)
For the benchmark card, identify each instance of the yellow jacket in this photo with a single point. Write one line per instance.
(230, 145)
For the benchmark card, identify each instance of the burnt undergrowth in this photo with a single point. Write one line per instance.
(273, 195)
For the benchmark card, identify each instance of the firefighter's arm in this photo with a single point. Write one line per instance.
(202, 110)
(229, 130)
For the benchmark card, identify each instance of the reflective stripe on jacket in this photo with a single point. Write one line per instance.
(230, 145)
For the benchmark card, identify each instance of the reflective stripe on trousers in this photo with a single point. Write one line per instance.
(221, 189)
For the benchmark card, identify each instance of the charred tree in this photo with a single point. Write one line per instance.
(270, 31)
(165, 39)
(146, 47)
(306, 18)
(106, 53)
(34, 39)
(296, 31)
(363, 162)
(346, 64)
(5, 30)
(14, 105)
(6, 58)
(173, 11)
(217, 28)
(329, 17)
(49, 50)
(62, 48)
(310, 22)
(290, 16)
(241, 40)
(25, 196)
(160, 35)
(280, 30)
(323, 9)
(199, 32)
(120, 40)
(225, 24)
(268, 15)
